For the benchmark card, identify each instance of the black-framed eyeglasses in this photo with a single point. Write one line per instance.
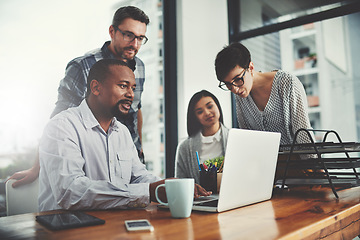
(237, 82)
(129, 36)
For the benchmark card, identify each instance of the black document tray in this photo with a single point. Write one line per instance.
(316, 159)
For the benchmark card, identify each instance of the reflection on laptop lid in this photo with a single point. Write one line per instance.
(249, 170)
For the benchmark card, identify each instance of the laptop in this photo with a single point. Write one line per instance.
(249, 170)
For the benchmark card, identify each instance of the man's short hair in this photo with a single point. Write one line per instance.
(100, 71)
(129, 12)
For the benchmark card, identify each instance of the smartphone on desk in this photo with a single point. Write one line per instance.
(138, 225)
(68, 220)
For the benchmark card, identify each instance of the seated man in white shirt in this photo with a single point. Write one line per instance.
(87, 158)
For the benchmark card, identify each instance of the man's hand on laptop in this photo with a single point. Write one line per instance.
(200, 191)
(161, 191)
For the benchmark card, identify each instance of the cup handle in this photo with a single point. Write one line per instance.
(156, 195)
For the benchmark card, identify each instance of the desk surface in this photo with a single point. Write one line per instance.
(296, 214)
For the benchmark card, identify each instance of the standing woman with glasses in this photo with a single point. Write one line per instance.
(270, 101)
(207, 135)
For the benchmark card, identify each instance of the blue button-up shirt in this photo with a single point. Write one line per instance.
(72, 88)
(83, 167)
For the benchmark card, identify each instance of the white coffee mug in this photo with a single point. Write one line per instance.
(180, 196)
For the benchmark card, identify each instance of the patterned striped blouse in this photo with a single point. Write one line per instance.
(285, 112)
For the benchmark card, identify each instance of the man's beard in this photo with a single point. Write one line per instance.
(115, 110)
(128, 58)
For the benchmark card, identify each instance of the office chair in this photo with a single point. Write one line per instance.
(23, 199)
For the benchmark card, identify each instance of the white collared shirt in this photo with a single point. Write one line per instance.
(83, 167)
(211, 146)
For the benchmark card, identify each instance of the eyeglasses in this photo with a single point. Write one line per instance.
(129, 36)
(237, 82)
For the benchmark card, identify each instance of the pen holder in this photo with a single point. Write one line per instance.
(208, 180)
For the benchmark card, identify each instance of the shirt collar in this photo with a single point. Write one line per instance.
(90, 121)
(108, 54)
(210, 139)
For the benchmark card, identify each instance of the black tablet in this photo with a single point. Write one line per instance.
(68, 220)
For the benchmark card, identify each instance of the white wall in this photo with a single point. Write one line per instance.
(202, 31)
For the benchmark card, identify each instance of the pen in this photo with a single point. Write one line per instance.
(205, 166)
(198, 160)
(221, 166)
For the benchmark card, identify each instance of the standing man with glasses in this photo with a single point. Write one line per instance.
(127, 33)
(270, 101)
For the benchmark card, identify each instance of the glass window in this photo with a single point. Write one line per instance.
(27, 83)
(153, 95)
(324, 59)
(278, 11)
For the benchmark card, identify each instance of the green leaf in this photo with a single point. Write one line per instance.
(212, 161)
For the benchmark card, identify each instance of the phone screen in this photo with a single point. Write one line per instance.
(68, 220)
(138, 225)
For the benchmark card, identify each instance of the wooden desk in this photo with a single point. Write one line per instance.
(297, 214)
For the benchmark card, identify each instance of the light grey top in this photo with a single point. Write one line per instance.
(84, 167)
(285, 112)
(186, 165)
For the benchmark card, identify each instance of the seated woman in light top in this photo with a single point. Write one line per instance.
(207, 135)
(269, 101)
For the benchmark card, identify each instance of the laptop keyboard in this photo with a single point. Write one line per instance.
(205, 199)
(212, 203)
